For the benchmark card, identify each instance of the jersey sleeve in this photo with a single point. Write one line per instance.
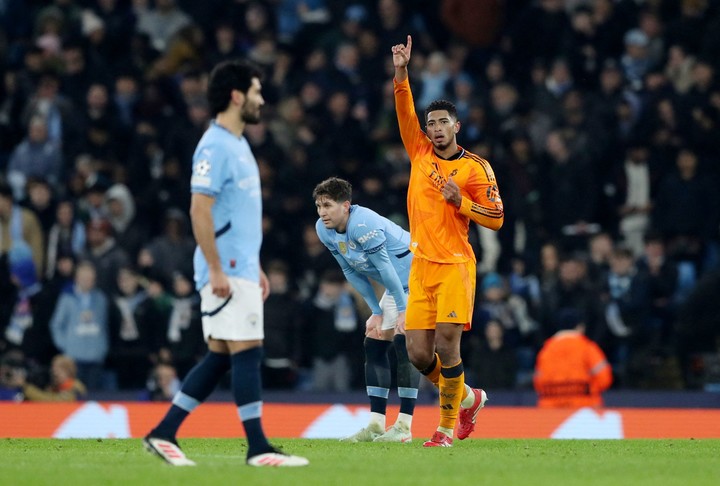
(209, 171)
(373, 242)
(360, 283)
(600, 370)
(484, 205)
(390, 279)
(412, 135)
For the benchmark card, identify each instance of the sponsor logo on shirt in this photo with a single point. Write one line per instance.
(368, 236)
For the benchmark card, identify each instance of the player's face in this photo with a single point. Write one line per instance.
(253, 101)
(441, 128)
(334, 215)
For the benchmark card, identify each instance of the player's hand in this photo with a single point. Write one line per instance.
(400, 325)
(401, 53)
(373, 326)
(219, 284)
(264, 285)
(451, 193)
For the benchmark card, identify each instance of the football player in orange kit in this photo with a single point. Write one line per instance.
(448, 187)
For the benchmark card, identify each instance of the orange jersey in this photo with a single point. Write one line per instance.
(571, 371)
(438, 229)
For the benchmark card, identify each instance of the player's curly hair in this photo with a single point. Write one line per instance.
(227, 76)
(335, 189)
(442, 105)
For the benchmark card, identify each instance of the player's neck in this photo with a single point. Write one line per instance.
(231, 122)
(448, 151)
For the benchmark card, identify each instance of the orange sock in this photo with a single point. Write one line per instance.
(452, 384)
(432, 372)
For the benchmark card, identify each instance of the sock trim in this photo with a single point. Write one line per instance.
(452, 371)
(249, 411)
(378, 391)
(186, 402)
(404, 392)
(432, 366)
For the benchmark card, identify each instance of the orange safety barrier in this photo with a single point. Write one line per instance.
(132, 419)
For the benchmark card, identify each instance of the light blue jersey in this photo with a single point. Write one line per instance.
(371, 247)
(225, 168)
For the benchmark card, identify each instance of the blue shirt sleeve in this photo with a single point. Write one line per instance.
(390, 279)
(360, 283)
(209, 171)
(372, 240)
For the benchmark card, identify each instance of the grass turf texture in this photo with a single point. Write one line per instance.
(470, 462)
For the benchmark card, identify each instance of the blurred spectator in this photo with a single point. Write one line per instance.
(104, 253)
(687, 210)
(132, 332)
(511, 311)
(161, 22)
(79, 326)
(626, 300)
(573, 289)
(162, 384)
(65, 238)
(172, 251)
(41, 201)
(183, 337)
(20, 230)
(332, 335)
(634, 180)
(64, 384)
(492, 362)
(571, 370)
(282, 329)
(129, 233)
(13, 372)
(36, 156)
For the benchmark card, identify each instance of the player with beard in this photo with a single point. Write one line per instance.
(226, 215)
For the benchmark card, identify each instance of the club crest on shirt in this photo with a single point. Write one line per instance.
(342, 247)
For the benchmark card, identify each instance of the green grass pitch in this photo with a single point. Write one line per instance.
(469, 463)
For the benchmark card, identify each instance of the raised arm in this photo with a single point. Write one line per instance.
(401, 58)
(412, 135)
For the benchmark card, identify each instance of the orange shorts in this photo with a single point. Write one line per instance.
(440, 292)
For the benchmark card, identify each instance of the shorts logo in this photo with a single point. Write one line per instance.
(253, 319)
(342, 247)
(368, 236)
(452, 314)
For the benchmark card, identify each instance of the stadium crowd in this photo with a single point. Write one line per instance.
(601, 119)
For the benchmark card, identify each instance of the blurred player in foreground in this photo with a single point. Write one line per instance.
(226, 215)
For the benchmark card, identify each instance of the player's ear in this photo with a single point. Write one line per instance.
(237, 96)
(457, 126)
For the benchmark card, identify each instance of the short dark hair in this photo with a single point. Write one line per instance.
(334, 188)
(226, 77)
(442, 105)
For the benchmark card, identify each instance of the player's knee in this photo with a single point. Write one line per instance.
(419, 357)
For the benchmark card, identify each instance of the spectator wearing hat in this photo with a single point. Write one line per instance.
(128, 232)
(571, 371)
(636, 59)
